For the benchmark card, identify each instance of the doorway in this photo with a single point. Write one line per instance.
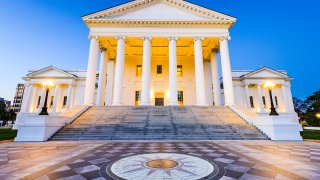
(159, 99)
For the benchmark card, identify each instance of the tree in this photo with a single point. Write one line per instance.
(5, 115)
(300, 106)
(313, 109)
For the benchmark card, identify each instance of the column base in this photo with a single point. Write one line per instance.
(145, 104)
(117, 104)
(202, 104)
(88, 104)
(174, 104)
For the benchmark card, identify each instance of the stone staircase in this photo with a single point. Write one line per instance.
(159, 123)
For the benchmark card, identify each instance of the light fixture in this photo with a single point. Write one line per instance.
(47, 84)
(270, 85)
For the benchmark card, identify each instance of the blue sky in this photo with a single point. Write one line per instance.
(281, 34)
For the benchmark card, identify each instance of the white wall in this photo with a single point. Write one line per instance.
(132, 83)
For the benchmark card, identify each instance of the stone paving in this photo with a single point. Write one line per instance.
(88, 160)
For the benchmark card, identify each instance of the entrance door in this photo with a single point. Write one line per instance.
(159, 99)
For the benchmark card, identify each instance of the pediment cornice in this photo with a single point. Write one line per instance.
(64, 74)
(104, 16)
(276, 74)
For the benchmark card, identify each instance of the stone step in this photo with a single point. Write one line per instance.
(159, 123)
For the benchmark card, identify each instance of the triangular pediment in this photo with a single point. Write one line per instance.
(159, 10)
(265, 72)
(50, 71)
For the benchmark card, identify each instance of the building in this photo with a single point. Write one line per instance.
(16, 105)
(247, 86)
(164, 53)
(6, 102)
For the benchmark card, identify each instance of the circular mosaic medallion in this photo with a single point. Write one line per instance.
(161, 166)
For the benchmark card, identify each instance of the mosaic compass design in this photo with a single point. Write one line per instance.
(162, 166)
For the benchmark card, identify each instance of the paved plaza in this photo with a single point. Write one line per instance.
(160, 160)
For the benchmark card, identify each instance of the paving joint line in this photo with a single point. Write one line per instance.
(272, 167)
(58, 165)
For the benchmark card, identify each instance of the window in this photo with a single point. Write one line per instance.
(251, 102)
(139, 70)
(137, 98)
(39, 99)
(159, 70)
(264, 101)
(180, 98)
(64, 101)
(276, 99)
(179, 70)
(51, 101)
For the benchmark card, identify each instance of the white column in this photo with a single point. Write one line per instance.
(208, 82)
(226, 72)
(43, 94)
(69, 96)
(289, 95)
(26, 100)
(102, 79)
(56, 99)
(118, 79)
(215, 79)
(246, 90)
(146, 65)
(91, 71)
(285, 98)
(199, 73)
(109, 88)
(261, 107)
(173, 92)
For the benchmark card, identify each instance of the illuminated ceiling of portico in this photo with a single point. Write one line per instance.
(159, 46)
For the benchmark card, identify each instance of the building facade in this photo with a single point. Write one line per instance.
(69, 90)
(17, 101)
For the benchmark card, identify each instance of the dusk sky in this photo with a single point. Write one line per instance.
(280, 34)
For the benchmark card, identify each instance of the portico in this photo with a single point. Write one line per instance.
(60, 96)
(140, 38)
(166, 52)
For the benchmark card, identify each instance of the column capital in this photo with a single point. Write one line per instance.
(197, 38)
(173, 38)
(146, 38)
(285, 84)
(27, 84)
(103, 49)
(215, 50)
(259, 84)
(245, 84)
(90, 37)
(224, 38)
(120, 37)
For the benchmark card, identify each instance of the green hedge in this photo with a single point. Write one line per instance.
(7, 134)
(311, 134)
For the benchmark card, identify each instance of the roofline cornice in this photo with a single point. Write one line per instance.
(127, 7)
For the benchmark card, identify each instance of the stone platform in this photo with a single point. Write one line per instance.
(159, 123)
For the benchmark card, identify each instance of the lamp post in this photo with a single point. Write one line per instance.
(47, 85)
(269, 86)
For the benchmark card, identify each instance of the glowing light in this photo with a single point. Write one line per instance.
(269, 85)
(318, 115)
(48, 83)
